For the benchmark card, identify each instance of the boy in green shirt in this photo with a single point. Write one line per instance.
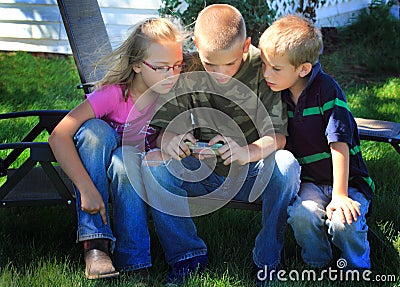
(231, 104)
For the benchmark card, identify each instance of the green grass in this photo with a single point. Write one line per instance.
(34, 83)
(28, 82)
(38, 245)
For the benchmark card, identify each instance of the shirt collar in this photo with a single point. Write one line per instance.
(316, 69)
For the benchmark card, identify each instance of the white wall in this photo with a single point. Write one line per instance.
(336, 13)
(36, 25)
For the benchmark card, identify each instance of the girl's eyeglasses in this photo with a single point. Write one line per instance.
(165, 69)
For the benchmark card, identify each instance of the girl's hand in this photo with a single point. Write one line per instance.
(347, 209)
(92, 202)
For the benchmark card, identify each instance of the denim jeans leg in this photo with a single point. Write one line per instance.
(132, 245)
(166, 196)
(95, 141)
(279, 193)
(352, 239)
(307, 218)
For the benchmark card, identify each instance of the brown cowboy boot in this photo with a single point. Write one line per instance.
(98, 261)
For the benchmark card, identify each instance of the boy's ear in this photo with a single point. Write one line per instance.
(247, 44)
(137, 68)
(194, 40)
(305, 69)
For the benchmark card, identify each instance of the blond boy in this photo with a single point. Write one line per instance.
(336, 189)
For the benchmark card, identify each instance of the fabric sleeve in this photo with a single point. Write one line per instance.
(104, 100)
(275, 107)
(340, 123)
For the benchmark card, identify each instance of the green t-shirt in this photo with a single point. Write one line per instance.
(244, 109)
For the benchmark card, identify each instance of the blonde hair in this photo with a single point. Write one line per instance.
(219, 27)
(134, 50)
(295, 36)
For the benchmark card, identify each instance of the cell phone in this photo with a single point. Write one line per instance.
(203, 147)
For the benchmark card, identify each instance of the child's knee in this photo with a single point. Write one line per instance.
(337, 227)
(287, 163)
(97, 133)
(96, 126)
(286, 170)
(305, 214)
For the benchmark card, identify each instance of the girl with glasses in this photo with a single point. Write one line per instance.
(99, 145)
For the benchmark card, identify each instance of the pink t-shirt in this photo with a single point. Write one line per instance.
(109, 104)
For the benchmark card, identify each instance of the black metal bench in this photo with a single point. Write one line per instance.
(28, 184)
(47, 184)
(37, 181)
(380, 131)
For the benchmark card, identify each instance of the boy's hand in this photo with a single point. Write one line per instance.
(231, 152)
(347, 209)
(175, 146)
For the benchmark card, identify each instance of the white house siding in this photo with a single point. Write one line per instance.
(120, 15)
(335, 13)
(36, 25)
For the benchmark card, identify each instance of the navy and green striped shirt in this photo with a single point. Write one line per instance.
(321, 117)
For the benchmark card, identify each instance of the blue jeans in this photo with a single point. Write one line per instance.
(275, 181)
(107, 162)
(307, 218)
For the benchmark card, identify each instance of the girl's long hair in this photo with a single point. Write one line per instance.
(134, 50)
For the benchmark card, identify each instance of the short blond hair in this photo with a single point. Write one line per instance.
(219, 27)
(295, 36)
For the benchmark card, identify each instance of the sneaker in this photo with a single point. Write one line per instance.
(181, 270)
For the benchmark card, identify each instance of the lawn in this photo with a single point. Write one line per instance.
(38, 244)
